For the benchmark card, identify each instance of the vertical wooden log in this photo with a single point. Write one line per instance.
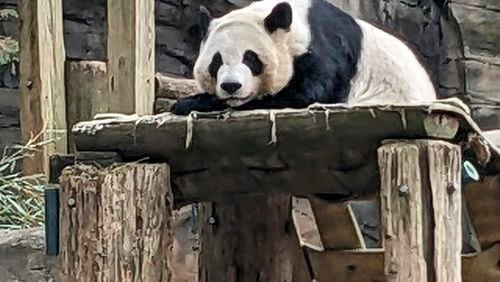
(420, 210)
(86, 92)
(115, 224)
(82, 254)
(131, 42)
(247, 239)
(43, 105)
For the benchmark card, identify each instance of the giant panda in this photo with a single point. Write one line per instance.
(294, 53)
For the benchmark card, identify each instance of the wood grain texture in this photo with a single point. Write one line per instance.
(131, 65)
(174, 88)
(348, 266)
(248, 239)
(445, 164)
(337, 225)
(82, 248)
(420, 210)
(483, 203)
(42, 55)
(329, 149)
(116, 223)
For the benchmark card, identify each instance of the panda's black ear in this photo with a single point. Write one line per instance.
(280, 17)
(205, 19)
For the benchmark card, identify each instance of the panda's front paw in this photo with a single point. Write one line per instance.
(201, 103)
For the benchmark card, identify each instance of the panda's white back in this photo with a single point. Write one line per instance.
(388, 71)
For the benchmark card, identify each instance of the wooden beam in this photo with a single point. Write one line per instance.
(421, 210)
(368, 265)
(115, 223)
(43, 105)
(131, 56)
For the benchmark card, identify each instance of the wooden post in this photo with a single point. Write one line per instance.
(115, 223)
(43, 106)
(86, 92)
(421, 210)
(248, 239)
(131, 56)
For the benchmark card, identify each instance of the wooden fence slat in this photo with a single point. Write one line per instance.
(42, 55)
(131, 55)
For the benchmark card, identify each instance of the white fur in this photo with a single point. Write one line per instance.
(276, 51)
(388, 72)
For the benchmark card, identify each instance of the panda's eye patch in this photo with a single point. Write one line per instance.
(215, 65)
(251, 59)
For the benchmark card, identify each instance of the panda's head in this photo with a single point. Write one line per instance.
(244, 54)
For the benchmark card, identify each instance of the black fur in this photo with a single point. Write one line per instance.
(251, 59)
(279, 18)
(321, 75)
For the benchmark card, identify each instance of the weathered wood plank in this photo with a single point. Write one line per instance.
(337, 225)
(483, 266)
(131, 66)
(368, 265)
(43, 105)
(420, 210)
(292, 151)
(483, 203)
(348, 266)
(115, 223)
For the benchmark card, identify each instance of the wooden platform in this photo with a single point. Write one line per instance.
(326, 149)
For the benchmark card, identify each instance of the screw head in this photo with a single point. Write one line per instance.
(404, 190)
(71, 202)
(211, 220)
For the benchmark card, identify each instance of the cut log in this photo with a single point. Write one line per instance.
(86, 92)
(248, 239)
(174, 88)
(115, 223)
(421, 210)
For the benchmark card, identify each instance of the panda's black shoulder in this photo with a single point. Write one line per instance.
(334, 51)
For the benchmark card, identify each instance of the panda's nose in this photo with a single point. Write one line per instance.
(230, 87)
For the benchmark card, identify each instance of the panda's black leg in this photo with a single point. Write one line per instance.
(201, 102)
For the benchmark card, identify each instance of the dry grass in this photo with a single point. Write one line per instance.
(21, 197)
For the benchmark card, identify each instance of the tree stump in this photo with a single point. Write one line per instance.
(249, 239)
(421, 210)
(115, 223)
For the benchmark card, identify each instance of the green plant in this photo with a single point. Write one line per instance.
(9, 50)
(21, 197)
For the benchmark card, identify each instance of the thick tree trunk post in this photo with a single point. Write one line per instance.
(86, 92)
(131, 54)
(248, 239)
(43, 105)
(421, 210)
(115, 224)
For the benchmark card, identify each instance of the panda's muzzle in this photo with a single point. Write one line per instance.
(230, 87)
